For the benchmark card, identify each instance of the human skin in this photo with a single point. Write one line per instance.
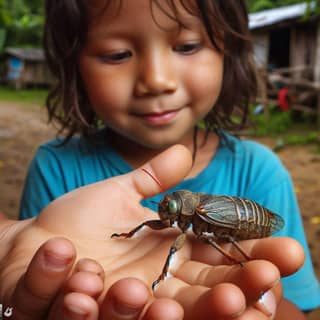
(202, 281)
(150, 88)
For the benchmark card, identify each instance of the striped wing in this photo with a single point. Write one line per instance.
(218, 210)
(231, 212)
(277, 223)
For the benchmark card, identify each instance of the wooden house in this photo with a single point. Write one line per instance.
(26, 67)
(287, 47)
(284, 38)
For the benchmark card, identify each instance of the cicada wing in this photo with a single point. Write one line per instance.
(276, 223)
(219, 210)
(231, 212)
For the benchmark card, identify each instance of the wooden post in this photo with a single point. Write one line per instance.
(318, 108)
(317, 73)
(264, 91)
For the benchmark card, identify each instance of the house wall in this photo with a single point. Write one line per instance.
(317, 55)
(303, 48)
(31, 72)
(261, 47)
(36, 73)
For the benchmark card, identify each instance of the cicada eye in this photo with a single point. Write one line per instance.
(173, 206)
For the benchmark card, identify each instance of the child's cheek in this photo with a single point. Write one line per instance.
(204, 82)
(112, 95)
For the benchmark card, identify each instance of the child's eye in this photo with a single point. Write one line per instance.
(188, 48)
(116, 57)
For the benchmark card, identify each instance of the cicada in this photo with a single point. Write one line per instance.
(213, 219)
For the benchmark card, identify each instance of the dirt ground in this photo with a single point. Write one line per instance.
(23, 127)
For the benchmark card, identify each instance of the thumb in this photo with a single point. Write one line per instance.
(160, 173)
(168, 168)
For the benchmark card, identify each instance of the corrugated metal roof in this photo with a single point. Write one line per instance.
(26, 54)
(272, 16)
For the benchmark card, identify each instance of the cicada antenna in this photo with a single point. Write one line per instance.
(154, 178)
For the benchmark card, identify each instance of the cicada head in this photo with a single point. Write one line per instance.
(169, 209)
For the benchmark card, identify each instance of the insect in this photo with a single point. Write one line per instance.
(213, 219)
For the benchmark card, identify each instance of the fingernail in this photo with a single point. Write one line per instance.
(125, 310)
(267, 304)
(74, 313)
(89, 265)
(57, 262)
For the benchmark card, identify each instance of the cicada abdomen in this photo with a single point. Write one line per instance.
(238, 217)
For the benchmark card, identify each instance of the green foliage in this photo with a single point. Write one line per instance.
(22, 22)
(31, 96)
(258, 5)
(2, 38)
(310, 137)
(269, 125)
(290, 139)
(286, 127)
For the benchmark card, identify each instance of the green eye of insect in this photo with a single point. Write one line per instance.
(173, 208)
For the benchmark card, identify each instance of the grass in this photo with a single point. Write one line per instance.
(288, 129)
(29, 96)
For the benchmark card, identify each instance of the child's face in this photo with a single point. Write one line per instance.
(150, 80)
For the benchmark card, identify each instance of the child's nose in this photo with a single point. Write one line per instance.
(156, 75)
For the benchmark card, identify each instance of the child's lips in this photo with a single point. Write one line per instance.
(159, 118)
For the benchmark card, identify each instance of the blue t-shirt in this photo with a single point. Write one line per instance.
(239, 168)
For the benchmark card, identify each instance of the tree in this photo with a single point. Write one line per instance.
(21, 22)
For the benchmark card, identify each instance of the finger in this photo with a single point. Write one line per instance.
(45, 275)
(126, 299)
(252, 278)
(288, 256)
(80, 294)
(79, 306)
(85, 282)
(286, 253)
(253, 314)
(166, 309)
(267, 304)
(168, 168)
(129, 299)
(224, 301)
(89, 265)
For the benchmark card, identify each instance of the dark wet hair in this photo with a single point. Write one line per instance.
(226, 22)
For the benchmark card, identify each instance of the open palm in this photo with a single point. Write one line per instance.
(90, 215)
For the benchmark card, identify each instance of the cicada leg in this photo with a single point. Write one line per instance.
(210, 240)
(153, 224)
(177, 245)
(238, 247)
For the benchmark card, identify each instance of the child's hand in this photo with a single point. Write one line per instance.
(90, 215)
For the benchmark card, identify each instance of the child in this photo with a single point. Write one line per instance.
(135, 77)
